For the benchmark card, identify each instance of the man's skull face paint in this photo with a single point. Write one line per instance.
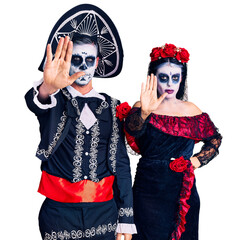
(84, 58)
(168, 79)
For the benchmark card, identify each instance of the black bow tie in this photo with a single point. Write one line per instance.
(92, 102)
(78, 103)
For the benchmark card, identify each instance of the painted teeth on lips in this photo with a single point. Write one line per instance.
(169, 91)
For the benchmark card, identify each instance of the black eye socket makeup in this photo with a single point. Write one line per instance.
(176, 77)
(163, 77)
(90, 60)
(76, 60)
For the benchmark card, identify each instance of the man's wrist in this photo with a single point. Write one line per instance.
(45, 92)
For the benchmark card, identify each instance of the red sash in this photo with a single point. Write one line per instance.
(62, 190)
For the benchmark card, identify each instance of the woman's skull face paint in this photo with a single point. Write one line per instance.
(168, 79)
(84, 58)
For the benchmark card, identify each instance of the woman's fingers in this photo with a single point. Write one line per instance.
(59, 48)
(155, 84)
(151, 82)
(162, 97)
(143, 87)
(147, 83)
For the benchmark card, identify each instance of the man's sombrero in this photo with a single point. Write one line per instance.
(89, 20)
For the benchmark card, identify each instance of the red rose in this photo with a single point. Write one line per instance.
(122, 110)
(169, 50)
(184, 55)
(155, 54)
(179, 164)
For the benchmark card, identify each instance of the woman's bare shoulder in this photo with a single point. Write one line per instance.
(191, 109)
(137, 104)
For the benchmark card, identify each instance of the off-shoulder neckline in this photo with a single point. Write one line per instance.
(170, 116)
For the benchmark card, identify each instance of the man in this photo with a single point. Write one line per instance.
(85, 168)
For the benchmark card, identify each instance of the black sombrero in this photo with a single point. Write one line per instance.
(89, 20)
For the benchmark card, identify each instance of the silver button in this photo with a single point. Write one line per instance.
(87, 132)
(86, 153)
(172, 159)
(85, 177)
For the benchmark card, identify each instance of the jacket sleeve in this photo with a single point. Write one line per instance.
(34, 104)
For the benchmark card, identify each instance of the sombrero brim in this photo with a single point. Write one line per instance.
(89, 20)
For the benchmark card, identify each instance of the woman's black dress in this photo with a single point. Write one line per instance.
(166, 202)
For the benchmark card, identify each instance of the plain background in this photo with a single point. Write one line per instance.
(214, 32)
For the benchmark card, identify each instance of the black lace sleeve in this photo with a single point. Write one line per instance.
(134, 124)
(210, 149)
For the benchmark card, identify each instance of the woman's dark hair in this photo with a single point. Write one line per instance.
(153, 66)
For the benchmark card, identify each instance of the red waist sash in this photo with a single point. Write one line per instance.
(62, 190)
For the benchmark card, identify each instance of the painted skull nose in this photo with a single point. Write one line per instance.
(83, 67)
(169, 83)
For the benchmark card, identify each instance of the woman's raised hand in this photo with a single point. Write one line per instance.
(56, 71)
(149, 99)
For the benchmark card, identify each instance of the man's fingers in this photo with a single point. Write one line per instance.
(48, 53)
(127, 236)
(75, 76)
(69, 52)
(59, 48)
(119, 236)
(65, 47)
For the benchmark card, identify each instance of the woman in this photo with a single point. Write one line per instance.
(164, 129)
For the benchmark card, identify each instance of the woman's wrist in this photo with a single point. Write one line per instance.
(145, 114)
(195, 162)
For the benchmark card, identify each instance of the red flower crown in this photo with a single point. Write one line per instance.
(170, 50)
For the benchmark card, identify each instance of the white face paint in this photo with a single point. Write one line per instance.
(84, 58)
(168, 79)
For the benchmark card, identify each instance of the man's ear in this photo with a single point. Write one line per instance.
(97, 61)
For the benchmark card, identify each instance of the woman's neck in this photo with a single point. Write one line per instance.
(169, 106)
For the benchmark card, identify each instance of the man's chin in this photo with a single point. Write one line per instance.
(82, 81)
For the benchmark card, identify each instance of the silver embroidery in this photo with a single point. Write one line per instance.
(66, 93)
(56, 137)
(128, 212)
(79, 234)
(102, 106)
(75, 104)
(114, 136)
(93, 152)
(79, 142)
(73, 101)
